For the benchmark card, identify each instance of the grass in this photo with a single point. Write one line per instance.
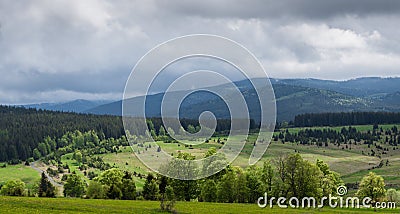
(68, 205)
(346, 162)
(20, 171)
(127, 161)
(390, 173)
(73, 165)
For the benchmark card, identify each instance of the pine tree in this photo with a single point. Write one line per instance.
(46, 189)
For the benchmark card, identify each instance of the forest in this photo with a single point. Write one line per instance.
(346, 118)
(21, 129)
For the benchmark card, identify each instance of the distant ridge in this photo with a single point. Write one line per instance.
(293, 96)
(78, 106)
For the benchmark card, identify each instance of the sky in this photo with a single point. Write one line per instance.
(53, 51)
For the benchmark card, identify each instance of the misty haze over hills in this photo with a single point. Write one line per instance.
(293, 96)
(78, 106)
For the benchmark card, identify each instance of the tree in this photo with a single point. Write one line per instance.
(214, 162)
(112, 182)
(393, 196)
(114, 192)
(302, 177)
(184, 188)
(242, 191)
(297, 178)
(208, 191)
(330, 180)
(111, 177)
(128, 187)
(267, 177)
(253, 182)
(74, 186)
(162, 188)
(36, 154)
(169, 204)
(171, 131)
(51, 144)
(161, 132)
(78, 156)
(373, 186)
(43, 149)
(46, 189)
(150, 188)
(13, 188)
(95, 190)
(226, 188)
(191, 129)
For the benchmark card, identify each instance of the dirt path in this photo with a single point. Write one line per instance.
(47, 175)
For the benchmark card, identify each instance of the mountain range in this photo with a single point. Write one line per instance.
(293, 97)
(78, 106)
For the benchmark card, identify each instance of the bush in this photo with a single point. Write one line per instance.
(95, 190)
(13, 188)
(393, 196)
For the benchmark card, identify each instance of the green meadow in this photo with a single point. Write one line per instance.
(68, 205)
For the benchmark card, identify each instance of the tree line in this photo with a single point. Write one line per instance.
(23, 130)
(346, 118)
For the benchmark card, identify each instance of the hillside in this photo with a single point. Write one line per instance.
(77, 106)
(360, 87)
(291, 101)
(21, 130)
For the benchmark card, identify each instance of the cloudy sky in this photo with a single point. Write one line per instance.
(54, 51)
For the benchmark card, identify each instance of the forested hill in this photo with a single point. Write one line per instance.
(291, 100)
(21, 130)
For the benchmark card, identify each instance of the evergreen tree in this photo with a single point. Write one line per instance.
(150, 188)
(128, 187)
(161, 132)
(46, 189)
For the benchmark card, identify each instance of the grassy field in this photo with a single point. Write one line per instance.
(127, 161)
(67, 205)
(346, 162)
(20, 171)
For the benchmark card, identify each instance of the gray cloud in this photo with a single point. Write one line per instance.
(284, 8)
(54, 51)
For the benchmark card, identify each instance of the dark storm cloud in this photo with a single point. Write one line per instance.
(281, 8)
